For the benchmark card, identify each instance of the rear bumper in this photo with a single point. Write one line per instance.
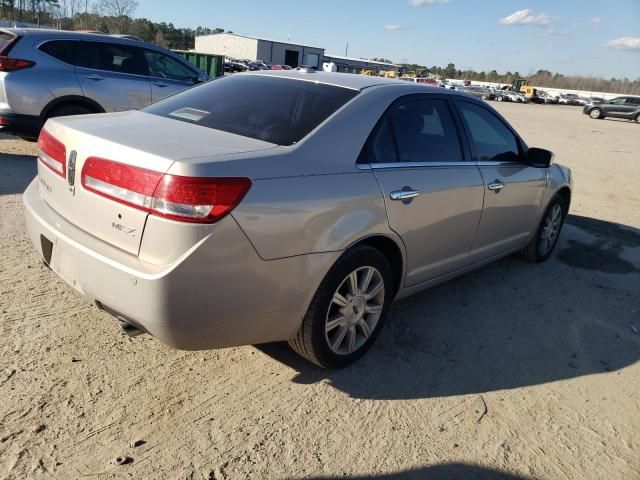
(23, 125)
(218, 294)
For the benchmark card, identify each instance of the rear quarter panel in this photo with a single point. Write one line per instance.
(284, 217)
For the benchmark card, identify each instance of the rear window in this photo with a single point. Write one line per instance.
(63, 50)
(276, 110)
(5, 39)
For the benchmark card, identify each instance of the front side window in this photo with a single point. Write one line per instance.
(619, 101)
(110, 57)
(163, 66)
(491, 138)
(277, 110)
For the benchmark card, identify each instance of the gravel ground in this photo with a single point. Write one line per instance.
(513, 371)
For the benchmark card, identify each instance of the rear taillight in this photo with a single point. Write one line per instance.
(187, 199)
(52, 152)
(11, 64)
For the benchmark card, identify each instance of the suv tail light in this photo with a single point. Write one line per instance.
(186, 199)
(52, 153)
(11, 64)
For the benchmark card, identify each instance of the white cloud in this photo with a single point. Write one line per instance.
(527, 17)
(624, 43)
(393, 27)
(422, 3)
(596, 21)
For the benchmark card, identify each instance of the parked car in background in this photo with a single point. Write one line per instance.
(568, 99)
(52, 73)
(522, 97)
(281, 67)
(621, 107)
(480, 92)
(543, 97)
(263, 65)
(597, 100)
(510, 96)
(231, 65)
(221, 216)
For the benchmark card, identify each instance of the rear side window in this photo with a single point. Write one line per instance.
(110, 57)
(163, 66)
(277, 110)
(5, 40)
(425, 131)
(63, 50)
(491, 138)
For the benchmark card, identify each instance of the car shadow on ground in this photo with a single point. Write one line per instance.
(16, 172)
(447, 471)
(508, 325)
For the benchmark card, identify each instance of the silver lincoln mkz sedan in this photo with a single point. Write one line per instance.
(289, 205)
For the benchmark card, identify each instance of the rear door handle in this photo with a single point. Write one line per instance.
(496, 186)
(404, 194)
(95, 78)
(161, 84)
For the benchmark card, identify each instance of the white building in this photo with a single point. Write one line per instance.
(250, 48)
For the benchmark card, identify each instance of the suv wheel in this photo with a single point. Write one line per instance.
(595, 113)
(638, 118)
(348, 310)
(65, 110)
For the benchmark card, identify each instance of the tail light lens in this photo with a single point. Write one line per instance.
(52, 153)
(186, 199)
(11, 64)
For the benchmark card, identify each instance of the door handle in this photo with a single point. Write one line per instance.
(407, 194)
(496, 186)
(161, 84)
(95, 78)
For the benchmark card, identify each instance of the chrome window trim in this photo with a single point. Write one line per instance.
(380, 166)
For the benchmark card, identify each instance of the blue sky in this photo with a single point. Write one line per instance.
(588, 37)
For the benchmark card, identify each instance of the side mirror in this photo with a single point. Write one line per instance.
(539, 157)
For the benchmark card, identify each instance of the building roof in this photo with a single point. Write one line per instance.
(263, 39)
(362, 60)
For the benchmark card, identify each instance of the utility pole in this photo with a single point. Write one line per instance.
(346, 50)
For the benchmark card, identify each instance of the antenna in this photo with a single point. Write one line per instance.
(346, 50)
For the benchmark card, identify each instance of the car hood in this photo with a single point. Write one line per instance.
(161, 136)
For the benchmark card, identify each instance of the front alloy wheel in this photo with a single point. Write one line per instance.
(595, 113)
(543, 243)
(348, 309)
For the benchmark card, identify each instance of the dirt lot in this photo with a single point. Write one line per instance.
(514, 371)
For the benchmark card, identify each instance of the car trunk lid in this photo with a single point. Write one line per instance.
(135, 139)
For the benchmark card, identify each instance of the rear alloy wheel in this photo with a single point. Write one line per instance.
(500, 99)
(595, 113)
(541, 246)
(348, 310)
(484, 97)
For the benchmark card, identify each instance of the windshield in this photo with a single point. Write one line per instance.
(274, 109)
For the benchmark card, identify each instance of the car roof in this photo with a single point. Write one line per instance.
(345, 80)
(48, 33)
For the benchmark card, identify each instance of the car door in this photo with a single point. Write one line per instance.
(112, 74)
(433, 193)
(621, 107)
(513, 189)
(168, 75)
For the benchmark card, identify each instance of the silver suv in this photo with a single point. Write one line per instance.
(52, 73)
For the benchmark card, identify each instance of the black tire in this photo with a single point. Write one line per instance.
(638, 118)
(534, 251)
(500, 99)
(65, 110)
(484, 97)
(311, 341)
